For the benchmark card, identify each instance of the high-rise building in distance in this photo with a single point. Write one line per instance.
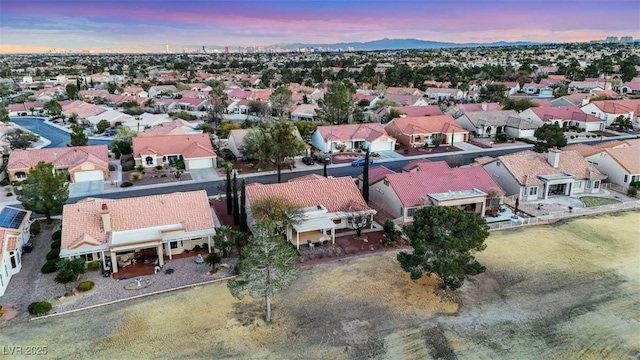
(626, 39)
(226, 49)
(611, 39)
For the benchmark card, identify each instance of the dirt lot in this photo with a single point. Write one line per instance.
(564, 291)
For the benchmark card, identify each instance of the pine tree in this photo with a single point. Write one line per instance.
(45, 191)
(365, 178)
(236, 207)
(229, 194)
(243, 210)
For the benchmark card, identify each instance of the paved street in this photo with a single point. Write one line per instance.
(58, 137)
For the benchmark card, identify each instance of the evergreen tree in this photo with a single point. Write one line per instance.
(78, 137)
(243, 209)
(365, 177)
(236, 210)
(44, 191)
(229, 193)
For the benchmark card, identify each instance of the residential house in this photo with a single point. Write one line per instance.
(609, 110)
(145, 121)
(459, 109)
(439, 94)
(194, 150)
(631, 88)
(134, 91)
(621, 163)
(370, 136)
(82, 163)
(116, 231)
(575, 99)
(403, 91)
(563, 116)
(170, 127)
(15, 225)
(420, 131)
(491, 123)
(533, 176)
(81, 109)
(402, 100)
(188, 104)
(326, 204)
(424, 183)
(588, 86)
(541, 90)
(159, 90)
(50, 93)
(112, 116)
(24, 108)
(304, 112)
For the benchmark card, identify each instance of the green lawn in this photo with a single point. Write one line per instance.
(590, 201)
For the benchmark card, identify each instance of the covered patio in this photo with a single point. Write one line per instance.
(557, 184)
(315, 230)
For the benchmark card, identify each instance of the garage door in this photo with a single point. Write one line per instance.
(92, 175)
(458, 138)
(200, 164)
(381, 146)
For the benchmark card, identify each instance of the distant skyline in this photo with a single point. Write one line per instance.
(147, 26)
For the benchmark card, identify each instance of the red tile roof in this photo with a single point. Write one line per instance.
(366, 131)
(377, 173)
(336, 194)
(83, 222)
(427, 125)
(426, 165)
(65, 158)
(189, 145)
(627, 157)
(563, 113)
(413, 187)
(413, 111)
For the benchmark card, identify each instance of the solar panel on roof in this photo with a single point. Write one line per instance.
(11, 218)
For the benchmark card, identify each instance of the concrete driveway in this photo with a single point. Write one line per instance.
(201, 175)
(86, 188)
(389, 154)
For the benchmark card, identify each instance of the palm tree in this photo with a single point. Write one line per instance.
(224, 239)
(213, 260)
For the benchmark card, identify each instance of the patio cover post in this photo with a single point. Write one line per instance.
(160, 256)
(169, 250)
(104, 261)
(297, 240)
(333, 235)
(209, 243)
(114, 262)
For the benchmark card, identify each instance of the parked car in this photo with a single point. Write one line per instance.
(360, 162)
(308, 160)
(322, 158)
(109, 132)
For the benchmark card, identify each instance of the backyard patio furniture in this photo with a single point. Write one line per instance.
(311, 245)
(321, 240)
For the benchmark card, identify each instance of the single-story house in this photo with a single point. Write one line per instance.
(82, 163)
(236, 140)
(459, 109)
(370, 136)
(116, 229)
(304, 112)
(112, 116)
(170, 127)
(491, 123)
(444, 94)
(609, 110)
(541, 90)
(159, 90)
(194, 149)
(621, 164)
(420, 130)
(433, 183)
(327, 205)
(14, 233)
(26, 107)
(563, 116)
(533, 176)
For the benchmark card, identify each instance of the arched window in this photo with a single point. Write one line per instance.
(21, 175)
(149, 160)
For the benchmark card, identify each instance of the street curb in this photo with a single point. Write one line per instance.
(132, 298)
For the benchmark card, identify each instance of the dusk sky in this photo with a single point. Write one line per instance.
(137, 26)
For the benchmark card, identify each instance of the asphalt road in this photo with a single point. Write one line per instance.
(58, 137)
(218, 187)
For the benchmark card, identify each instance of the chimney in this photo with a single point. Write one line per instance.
(554, 157)
(106, 218)
(484, 106)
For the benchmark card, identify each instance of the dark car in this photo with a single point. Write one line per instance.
(308, 160)
(322, 158)
(360, 162)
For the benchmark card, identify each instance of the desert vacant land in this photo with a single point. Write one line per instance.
(565, 291)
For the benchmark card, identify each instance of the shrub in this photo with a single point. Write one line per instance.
(56, 244)
(35, 228)
(406, 151)
(94, 265)
(50, 266)
(9, 194)
(338, 251)
(39, 308)
(347, 250)
(301, 259)
(4, 182)
(53, 254)
(56, 235)
(158, 167)
(502, 138)
(321, 255)
(632, 191)
(330, 253)
(128, 165)
(1, 311)
(312, 256)
(135, 176)
(85, 286)
(140, 168)
(196, 248)
(573, 136)
(126, 184)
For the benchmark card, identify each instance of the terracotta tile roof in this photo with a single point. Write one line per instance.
(174, 127)
(426, 165)
(526, 166)
(618, 106)
(412, 187)
(403, 99)
(564, 113)
(377, 173)
(481, 160)
(189, 145)
(588, 150)
(12, 243)
(308, 177)
(83, 222)
(336, 194)
(628, 157)
(478, 107)
(65, 158)
(413, 111)
(366, 131)
(426, 125)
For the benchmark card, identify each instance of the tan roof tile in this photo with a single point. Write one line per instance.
(65, 158)
(83, 222)
(588, 150)
(628, 157)
(188, 145)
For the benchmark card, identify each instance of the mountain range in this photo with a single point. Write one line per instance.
(400, 44)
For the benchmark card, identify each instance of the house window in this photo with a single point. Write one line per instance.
(626, 177)
(411, 212)
(577, 184)
(596, 184)
(173, 245)
(533, 190)
(21, 175)
(416, 139)
(12, 256)
(386, 182)
(337, 221)
(588, 184)
(149, 160)
(87, 257)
